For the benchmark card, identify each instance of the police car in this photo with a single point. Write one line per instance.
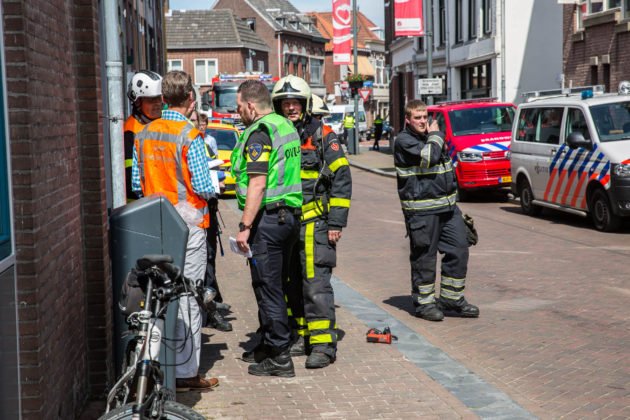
(570, 151)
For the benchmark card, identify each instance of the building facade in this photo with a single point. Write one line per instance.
(597, 43)
(221, 43)
(480, 48)
(296, 46)
(55, 280)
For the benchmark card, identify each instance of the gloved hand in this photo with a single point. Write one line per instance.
(471, 233)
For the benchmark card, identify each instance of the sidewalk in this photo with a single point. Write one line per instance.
(379, 162)
(367, 381)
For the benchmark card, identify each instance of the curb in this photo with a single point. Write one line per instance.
(370, 169)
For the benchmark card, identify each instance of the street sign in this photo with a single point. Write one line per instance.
(429, 86)
(368, 83)
(365, 93)
(344, 85)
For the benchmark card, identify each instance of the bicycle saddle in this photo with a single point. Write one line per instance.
(163, 262)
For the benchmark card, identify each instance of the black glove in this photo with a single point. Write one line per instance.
(471, 233)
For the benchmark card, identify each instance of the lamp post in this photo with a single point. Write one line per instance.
(355, 53)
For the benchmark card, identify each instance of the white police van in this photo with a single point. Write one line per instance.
(570, 151)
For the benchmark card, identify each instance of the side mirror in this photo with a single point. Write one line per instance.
(576, 139)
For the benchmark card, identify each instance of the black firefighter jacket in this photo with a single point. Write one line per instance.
(426, 180)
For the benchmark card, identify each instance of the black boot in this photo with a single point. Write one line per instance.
(319, 358)
(257, 355)
(280, 365)
(298, 348)
(216, 321)
(430, 312)
(458, 308)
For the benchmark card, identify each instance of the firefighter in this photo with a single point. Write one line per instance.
(318, 107)
(327, 189)
(145, 93)
(428, 192)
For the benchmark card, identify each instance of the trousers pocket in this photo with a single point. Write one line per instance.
(325, 253)
(419, 233)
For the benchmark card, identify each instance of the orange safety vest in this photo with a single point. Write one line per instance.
(162, 149)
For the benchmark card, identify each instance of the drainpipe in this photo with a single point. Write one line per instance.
(114, 67)
(503, 58)
(280, 57)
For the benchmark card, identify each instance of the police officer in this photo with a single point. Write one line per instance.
(266, 166)
(327, 189)
(428, 191)
(348, 127)
(378, 132)
(145, 93)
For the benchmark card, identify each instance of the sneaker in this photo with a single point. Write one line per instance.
(298, 348)
(430, 312)
(318, 359)
(458, 308)
(216, 321)
(257, 355)
(197, 382)
(280, 365)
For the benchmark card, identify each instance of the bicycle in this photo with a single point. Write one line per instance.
(147, 291)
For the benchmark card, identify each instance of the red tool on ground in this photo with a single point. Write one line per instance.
(377, 336)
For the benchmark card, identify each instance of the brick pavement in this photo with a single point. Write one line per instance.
(367, 381)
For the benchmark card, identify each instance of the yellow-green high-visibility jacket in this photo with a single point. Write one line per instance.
(283, 177)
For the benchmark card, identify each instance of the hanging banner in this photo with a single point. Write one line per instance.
(408, 19)
(342, 31)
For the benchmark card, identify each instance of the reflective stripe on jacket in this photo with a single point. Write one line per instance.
(426, 180)
(162, 148)
(283, 177)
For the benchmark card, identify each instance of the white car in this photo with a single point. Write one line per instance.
(571, 152)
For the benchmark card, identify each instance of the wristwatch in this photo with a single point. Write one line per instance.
(242, 227)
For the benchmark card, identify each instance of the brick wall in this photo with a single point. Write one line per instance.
(605, 38)
(56, 141)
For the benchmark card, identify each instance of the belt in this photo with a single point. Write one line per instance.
(277, 206)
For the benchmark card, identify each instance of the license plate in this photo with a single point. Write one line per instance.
(505, 179)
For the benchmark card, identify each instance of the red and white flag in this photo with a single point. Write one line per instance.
(408, 19)
(342, 31)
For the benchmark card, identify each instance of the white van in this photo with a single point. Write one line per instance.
(571, 152)
(337, 114)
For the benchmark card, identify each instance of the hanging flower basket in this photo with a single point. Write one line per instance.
(355, 84)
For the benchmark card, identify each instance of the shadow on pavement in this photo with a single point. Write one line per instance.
(401, 302)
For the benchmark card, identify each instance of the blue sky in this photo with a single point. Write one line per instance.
(373, 9)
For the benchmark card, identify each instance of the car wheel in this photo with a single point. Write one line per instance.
(601, 212)
(527, 198)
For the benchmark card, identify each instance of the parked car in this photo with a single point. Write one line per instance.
(477, 132)
(571, 152)
(226, 136)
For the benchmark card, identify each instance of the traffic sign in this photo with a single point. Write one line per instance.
(429, 86)
(365, 93)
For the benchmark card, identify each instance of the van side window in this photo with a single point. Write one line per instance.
(540, 125)
(576, 122)
(439, 117)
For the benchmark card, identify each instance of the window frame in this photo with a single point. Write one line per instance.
(7, 241)
(169, 64)
(442, 21)
(487, 16)
(206, 60)
(472, 19)
(459, 21)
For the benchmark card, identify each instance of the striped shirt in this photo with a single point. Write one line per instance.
(197, 163)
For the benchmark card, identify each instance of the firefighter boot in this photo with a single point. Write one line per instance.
(279, 365)
(298, 348)
(319, 358)
(458, 308)
(430, 312)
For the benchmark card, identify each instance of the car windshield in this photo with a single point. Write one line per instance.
(225, 97)
(333, 118)
(612, 121)
(481, 120)
(226, 139)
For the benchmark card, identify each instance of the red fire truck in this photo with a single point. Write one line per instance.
(222, 98)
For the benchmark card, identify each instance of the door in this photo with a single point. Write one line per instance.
(578, 171)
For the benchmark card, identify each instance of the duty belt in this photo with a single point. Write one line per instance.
(273, 207)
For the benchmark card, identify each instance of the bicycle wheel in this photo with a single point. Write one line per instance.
(172, 411)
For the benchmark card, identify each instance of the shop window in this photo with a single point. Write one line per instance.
(476, 81)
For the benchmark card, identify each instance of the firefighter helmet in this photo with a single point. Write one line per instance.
(144, 84)
(291, 87)
(318, 106)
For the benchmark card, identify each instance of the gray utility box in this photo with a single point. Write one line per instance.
(150, 225)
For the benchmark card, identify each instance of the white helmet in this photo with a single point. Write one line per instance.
(291, 87)
(144, 84)
(319, 106)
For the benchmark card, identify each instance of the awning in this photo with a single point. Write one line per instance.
(364, 66)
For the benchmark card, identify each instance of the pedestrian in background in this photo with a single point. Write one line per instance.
(169, 158)
(378, 132)
(428, 195)
(327, 190)
(266, 165)
(145, 94)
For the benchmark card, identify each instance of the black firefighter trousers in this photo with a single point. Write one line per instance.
(310, 295)
(272, 239)
(428, 234)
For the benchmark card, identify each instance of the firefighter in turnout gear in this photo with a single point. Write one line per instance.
(145, 93)
(327, 190)
(428, 190)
